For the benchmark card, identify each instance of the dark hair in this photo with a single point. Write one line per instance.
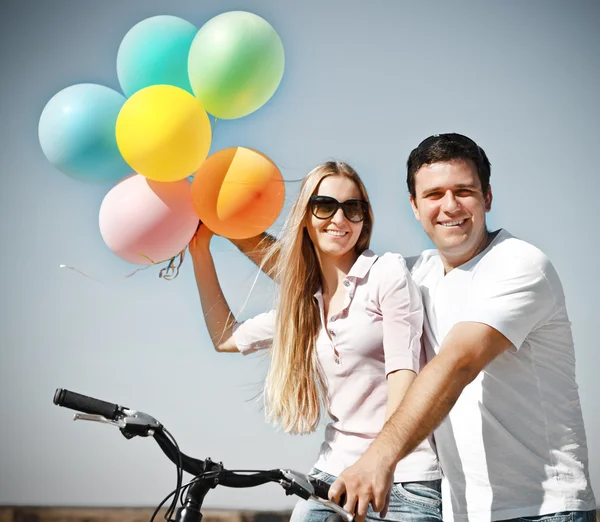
(447, 147)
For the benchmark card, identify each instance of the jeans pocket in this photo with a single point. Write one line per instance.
(427, 494)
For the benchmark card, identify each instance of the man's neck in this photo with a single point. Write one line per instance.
(451, 262)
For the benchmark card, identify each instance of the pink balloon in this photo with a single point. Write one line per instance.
(144, 221)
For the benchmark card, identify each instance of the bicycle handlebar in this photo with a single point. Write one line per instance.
(85, 404)
(133, 423)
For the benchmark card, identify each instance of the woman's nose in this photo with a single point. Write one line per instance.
(339, 216)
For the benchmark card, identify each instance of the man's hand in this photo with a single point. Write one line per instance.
(368, 481)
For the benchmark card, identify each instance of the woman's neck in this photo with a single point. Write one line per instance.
(335, 270)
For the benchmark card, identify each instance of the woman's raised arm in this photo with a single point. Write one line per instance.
(256, 248)
(217, 314)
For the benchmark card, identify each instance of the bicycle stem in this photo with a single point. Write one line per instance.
(190, 511)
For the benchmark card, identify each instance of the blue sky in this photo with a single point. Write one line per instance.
(364, 82)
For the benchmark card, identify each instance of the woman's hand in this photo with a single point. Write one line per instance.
(200, 242)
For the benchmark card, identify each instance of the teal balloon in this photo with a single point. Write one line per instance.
(235, 64)
(77, 133)
(155, 52)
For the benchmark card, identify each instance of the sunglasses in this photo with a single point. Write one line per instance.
(324, 207)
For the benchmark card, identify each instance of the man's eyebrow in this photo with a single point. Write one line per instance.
(431, 190)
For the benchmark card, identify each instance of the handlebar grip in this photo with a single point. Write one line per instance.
(85, 404)
(322, 489)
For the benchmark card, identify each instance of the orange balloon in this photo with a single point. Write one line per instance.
(238, 192)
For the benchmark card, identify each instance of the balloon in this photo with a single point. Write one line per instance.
(77, 133)
(235, 64)
(163, 133)
(238, 192)
(144, 221)
(154, 52)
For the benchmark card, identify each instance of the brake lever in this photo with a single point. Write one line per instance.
(119, 423)
(348, 517)
(299, 484)
(131, 422)
(139, 423)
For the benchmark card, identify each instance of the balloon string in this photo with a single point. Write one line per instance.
(171, 271)
(168, 273)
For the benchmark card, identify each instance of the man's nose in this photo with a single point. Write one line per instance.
(449, 202)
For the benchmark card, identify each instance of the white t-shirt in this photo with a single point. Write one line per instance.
(514, 444)
(378, 331)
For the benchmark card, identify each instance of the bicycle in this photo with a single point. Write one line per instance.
(207, 473)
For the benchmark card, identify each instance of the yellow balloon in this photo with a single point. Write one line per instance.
(163, 133)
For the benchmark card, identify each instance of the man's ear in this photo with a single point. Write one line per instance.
(488, 199)
(413, 205)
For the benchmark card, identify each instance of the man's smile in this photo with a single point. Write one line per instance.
(455, 223)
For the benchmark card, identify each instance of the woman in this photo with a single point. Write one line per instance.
(345, 336)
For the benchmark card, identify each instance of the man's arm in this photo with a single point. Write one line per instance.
(256, 248)
(466, 350)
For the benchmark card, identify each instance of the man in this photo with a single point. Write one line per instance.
(500, 388)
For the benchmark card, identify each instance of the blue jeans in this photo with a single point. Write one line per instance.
(563, 516)
(409, 502)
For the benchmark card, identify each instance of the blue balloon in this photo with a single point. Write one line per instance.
(155, 52)
(77, 133)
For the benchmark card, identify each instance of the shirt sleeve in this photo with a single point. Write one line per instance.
(255, 334)
(402, 316)
(513, 296)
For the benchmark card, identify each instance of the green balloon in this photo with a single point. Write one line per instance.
(235, 64)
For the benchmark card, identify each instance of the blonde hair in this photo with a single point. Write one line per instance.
(295, 390)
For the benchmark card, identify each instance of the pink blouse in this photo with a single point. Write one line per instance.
(377, 332)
